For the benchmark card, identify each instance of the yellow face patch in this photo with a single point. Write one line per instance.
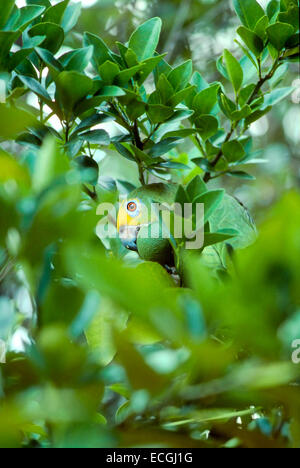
(133, 213)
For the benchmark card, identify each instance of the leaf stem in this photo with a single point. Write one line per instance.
(41, 104)
(207, 176)
(90, 193)
(151, 133)
(140, 145)
(67, 131)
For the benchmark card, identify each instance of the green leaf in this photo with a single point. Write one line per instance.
(212, 238)
(245, 94)
(141, 155)
(179, 115)
(203, 163)
(234, 70)
(124, 151)
(49, 164)
(221, 68)
(54, 35)
(101, 51)
(250, 70)
(98, 137)
(292, 55)
(50, 61)
(71, 16)
(286, 4)
(12, 20)
(72, 87)
(27, 139)
(45, 3)
(227, 106)
(181, 196)
(233, 150)
(293, 41)
(14, 121)
(199, 81)
(149, 66)
(256, 115)
(206, 99)
(252, 40)
(180, 76)
(279, 33)
(159, 113)
(165, 89)
(211, 200)
(276, 96)
(27, 15)
(7, 38)
(249, 12)
(230, 214)
(180, 133)
(89, 169)
(135, 109)
(131, 59)
(108, 71)
(261, 26)
(111, 91)
(195, 188)
(164, 146)
(241, 175)
(78, 59)
(162, 67)
(248, 54)
(290, 17)
(241, 114)
(37, 89)
(181, 96)
(31, 42)
(6, 8)
(87, 313)
(207, 126)
(145, 39)
(173, 165)
(11, 170)
(91, 121)
(273, 9)
(124, 76)
(55, 13)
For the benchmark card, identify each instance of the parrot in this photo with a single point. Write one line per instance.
(140, 230)
(134, 222)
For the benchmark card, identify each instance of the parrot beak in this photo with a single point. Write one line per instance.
(128, 236)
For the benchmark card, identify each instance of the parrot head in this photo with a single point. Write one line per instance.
(135, 215)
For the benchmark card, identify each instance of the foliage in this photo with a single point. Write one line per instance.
(117, 354)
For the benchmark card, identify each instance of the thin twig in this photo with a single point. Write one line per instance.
(207, 176)
(90, 193)
(151, 134)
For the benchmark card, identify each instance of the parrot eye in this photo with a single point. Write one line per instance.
(131, 207)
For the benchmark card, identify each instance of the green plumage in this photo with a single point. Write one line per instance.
(155, 248)
(158, 193)
(227, 214)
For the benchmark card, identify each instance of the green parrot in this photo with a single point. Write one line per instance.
(136, 219)
(140, 229)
